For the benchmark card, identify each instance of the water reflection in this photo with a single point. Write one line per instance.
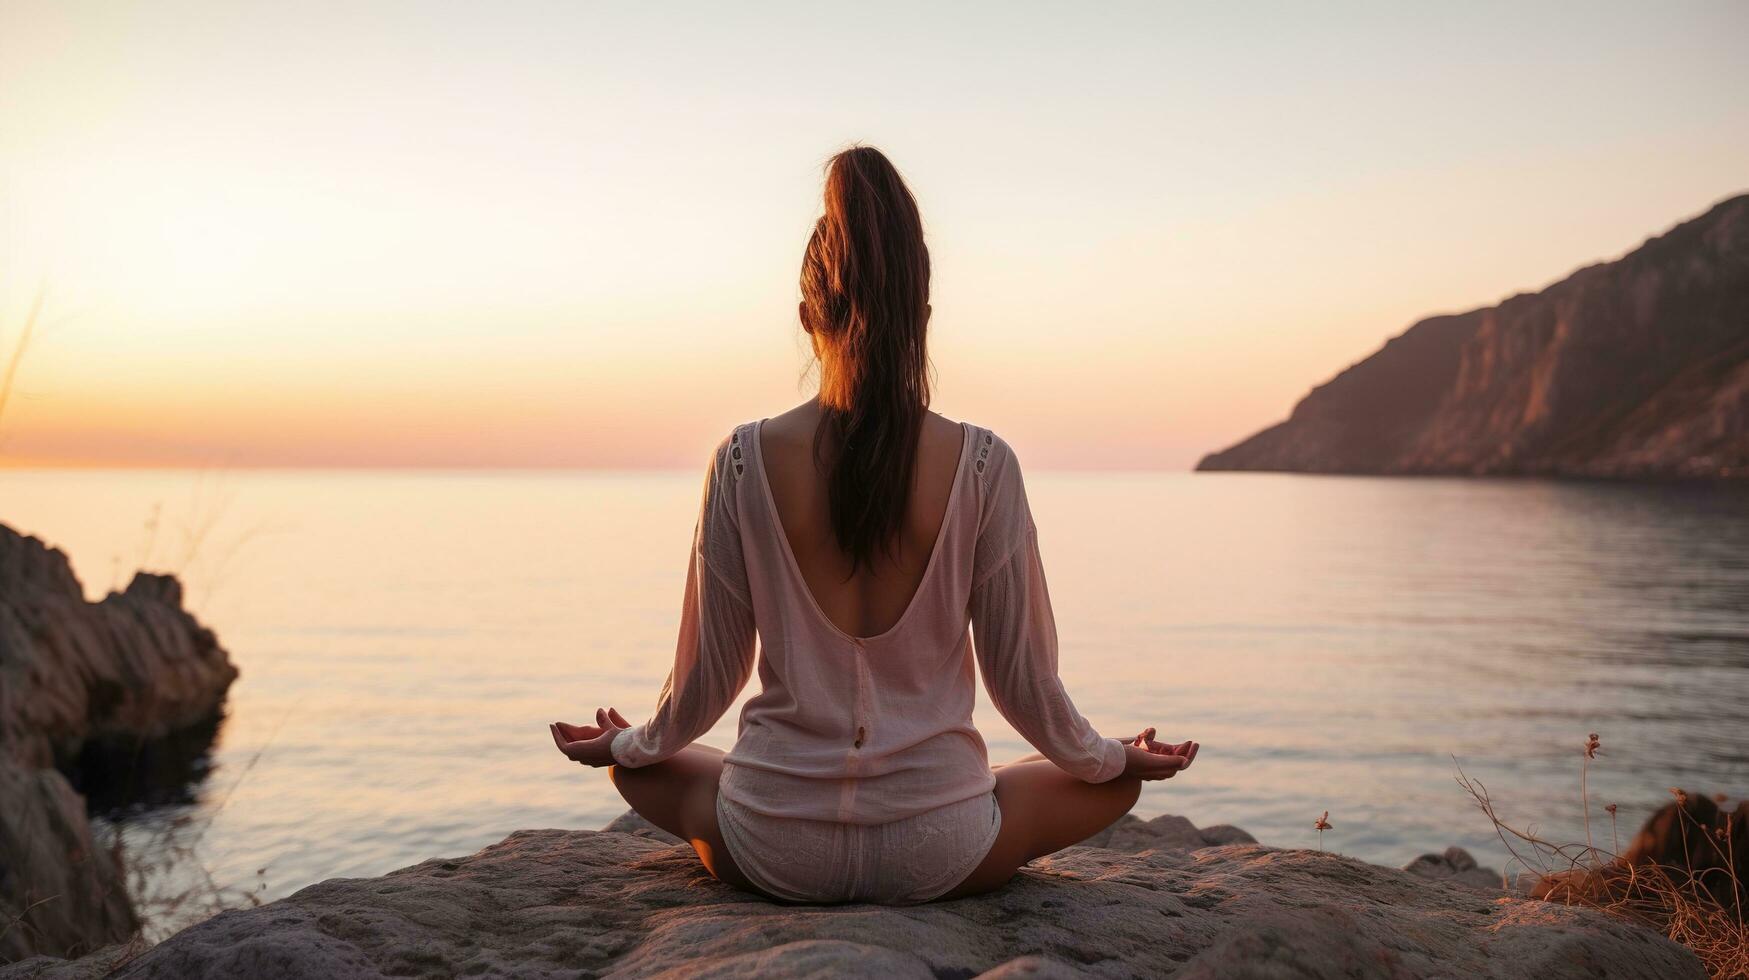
(153, 803)
(120, 775)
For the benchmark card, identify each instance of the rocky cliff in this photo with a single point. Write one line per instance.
(1144, 899)
(88, 689)
(1633, 368)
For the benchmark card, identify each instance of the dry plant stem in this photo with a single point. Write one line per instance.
(1673, 900)
(18, 349)
(201, 556)
(1585, 800)
(153, 519)
(18, 920)
(208, 896)
(1479, 793)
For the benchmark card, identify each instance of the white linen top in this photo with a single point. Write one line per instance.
(866, 730)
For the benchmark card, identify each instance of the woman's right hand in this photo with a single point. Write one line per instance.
(591, 745)
(1144, 758)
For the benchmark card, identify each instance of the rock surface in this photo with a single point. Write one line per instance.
(135, 665)
(50, 866)
(81, 683)
(552, 903)
(1457, 867)
(1633, 368)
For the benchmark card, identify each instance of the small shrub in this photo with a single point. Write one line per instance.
(1686, 873)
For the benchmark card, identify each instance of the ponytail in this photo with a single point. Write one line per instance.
(865, 298)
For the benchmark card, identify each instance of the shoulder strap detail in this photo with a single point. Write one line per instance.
(986, 439)
(737, 451)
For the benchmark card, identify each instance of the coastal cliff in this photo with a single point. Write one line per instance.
(1142, 899)
(1632, 368)
(99, 691)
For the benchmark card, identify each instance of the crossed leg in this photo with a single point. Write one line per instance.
(679, 794)
(1044, 810)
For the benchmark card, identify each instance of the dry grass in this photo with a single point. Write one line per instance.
(9, 376)
(186, 541)
(1680, 875)
(167, 880)
(23, 916)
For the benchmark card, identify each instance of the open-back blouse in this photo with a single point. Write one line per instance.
(866, 730)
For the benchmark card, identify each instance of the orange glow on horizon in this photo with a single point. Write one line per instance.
(531, 236)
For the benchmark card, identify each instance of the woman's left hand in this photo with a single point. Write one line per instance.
(590, 745)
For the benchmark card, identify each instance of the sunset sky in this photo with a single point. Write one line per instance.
(567, 234)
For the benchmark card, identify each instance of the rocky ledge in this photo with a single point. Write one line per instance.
(1633, 368)
(77, 674)
(1143, 899)
(110, 693)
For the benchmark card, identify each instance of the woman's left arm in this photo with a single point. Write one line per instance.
(714, 655)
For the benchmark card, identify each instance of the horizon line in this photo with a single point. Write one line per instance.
(113, 467)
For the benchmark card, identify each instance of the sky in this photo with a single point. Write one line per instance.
(568, 234)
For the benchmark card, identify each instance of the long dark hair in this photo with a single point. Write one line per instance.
(865, 299)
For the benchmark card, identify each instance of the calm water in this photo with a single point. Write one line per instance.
(1333, 642)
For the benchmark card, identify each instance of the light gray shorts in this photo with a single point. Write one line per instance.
(904, 862)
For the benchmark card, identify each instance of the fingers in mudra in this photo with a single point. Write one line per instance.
(1186, 749)
(1158, 760)
(576, 733)
(564, 736)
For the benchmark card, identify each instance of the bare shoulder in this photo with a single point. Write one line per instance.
(789, 430)
(941, 436)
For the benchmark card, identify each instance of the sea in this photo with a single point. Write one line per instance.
(1340, 645)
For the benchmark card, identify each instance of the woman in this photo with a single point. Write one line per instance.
(856, 537)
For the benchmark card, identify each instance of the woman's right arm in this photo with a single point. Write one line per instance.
(715, 653)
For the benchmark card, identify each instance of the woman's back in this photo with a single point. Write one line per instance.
(865, 600)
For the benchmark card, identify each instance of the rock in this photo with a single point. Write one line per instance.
(1457, 867)
(1130, 834)
(631, 822)
(93, 966)
(1223, 833)
(111, 692)
(1696, 834)
(1633, 368)
(133, 666)
(553, 903)
(49, 865)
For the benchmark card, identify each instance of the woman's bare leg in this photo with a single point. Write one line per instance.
(679, 794)
(1044, 810)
